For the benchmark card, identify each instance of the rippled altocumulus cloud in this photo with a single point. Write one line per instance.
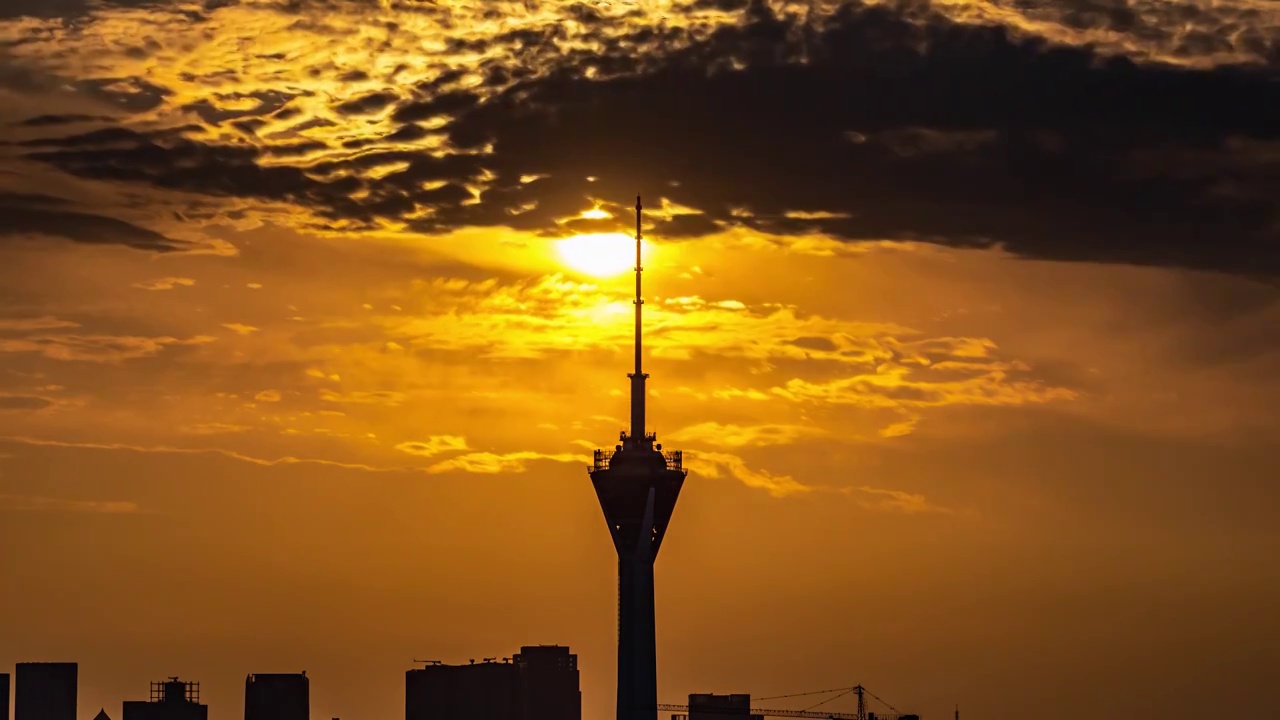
(1047, 127)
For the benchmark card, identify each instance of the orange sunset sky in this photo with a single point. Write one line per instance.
(964, 313)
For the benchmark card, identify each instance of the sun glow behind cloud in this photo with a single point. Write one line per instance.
(601, 254)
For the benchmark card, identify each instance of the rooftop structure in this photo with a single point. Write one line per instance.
(637, 484)
(171, 699)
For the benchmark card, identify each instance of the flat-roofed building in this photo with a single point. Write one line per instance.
(45, 691)
(538, 683)
(277, 696)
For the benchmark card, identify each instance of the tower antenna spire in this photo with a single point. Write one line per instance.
(638, 377)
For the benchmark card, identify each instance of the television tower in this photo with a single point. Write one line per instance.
(637, 484)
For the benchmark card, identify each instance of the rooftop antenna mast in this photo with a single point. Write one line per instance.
(639, 376)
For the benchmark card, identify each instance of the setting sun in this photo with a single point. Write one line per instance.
(600, 254)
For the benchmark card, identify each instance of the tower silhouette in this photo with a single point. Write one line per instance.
(637, 485)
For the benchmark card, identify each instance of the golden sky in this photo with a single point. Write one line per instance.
(314, 311)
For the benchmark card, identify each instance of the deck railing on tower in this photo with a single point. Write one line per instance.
(674, 458)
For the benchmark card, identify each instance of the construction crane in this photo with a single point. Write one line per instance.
(684, 710)
(857, 690)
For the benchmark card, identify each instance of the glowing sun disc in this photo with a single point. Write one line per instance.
(600, 254)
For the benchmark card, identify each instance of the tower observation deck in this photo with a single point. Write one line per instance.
(637, 484)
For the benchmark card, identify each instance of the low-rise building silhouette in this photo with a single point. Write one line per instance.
(538, 683)
(277, 696)
(45, 691)
(708, 706)
(484, 691)
(172, 699)
(4, 696)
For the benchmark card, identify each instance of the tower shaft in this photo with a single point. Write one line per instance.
(637, 640)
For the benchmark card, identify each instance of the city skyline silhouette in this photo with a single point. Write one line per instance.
(538, 683)
(961, 318)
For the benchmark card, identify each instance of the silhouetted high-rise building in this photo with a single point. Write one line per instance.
(172, 699)
(277, 696)
(102, 715)
(637, 485)
(4, 696)
(45, 691)
(539, 683)
(548, 677)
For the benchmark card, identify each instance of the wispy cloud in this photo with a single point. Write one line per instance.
(899, 386)
(717, 435)
(164, 449)
(33, 503)
(24, 402)
(214, 428)
(715, 464)
(46, 322)
(434, 445)
(892, 500)
(551, 315)
(363, 397)
(900, 428)
(96, 348)
(487, 463)
(167, 283)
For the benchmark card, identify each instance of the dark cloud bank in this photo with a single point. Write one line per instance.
(33, 214)
(912, 125)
